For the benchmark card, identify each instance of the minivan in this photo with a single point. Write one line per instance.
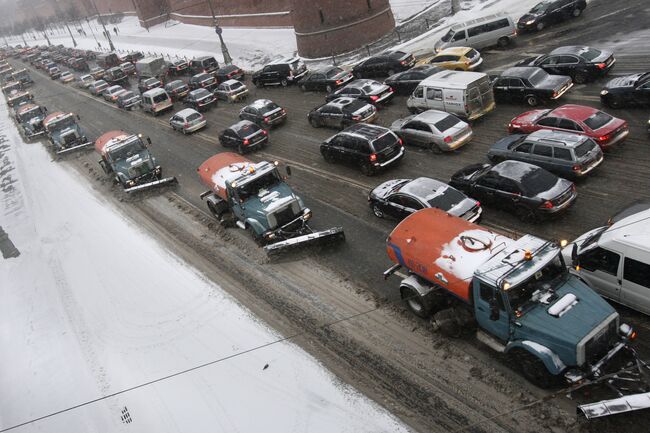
(615, 260)
(466, 94)
(156, 101)
(479, 33)
(108, 60)
(204, 64)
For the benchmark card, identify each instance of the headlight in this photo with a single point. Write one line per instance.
(604, 92)
(529, 22)
(269, 236)
(130, 182)
(306, 214)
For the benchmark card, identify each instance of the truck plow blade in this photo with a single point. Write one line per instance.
(627, 403)
(330, 235)
(73, 148)
(37, 134)
(151, 184)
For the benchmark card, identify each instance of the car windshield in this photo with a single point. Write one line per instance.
(333, 72)
(539, 8)
(446, 200)
(584, 148)
(384, 142)
(29, 115)
(160, 97)
(270, 107)
(201, 93)
(446, 123)
(598, 120)
(544, 280)
(127, 95)
(447, 37)
(151, 82)
(537, 77)
(236, 85)
(592, 238)
(538, 180)
(264, 182)
(590, 53)
(127, 150)
(370, 87)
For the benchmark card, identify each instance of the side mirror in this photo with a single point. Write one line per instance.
(288, 168)
(494, 309)
(574, 254)
(148, 140)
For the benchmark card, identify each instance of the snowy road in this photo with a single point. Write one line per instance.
(93, 307)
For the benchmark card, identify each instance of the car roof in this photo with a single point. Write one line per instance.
(284, 60)
(431, 116)
(362, 82)
(260, 103)
(200, 58)
(452, 79)
(456, 51)
(231, 82)
(365, 130)
(570, 49)
(484, 19)
(113, 88)
(520, 71)
(175, 82)
(186, 112)
(515, 170)
(573, 111)
(557, 137)
(423, 188)
(326, 69)
(227, 68)
(154, 92)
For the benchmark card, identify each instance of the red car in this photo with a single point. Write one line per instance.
(604, 129)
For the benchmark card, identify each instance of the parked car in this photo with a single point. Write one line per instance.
(369, 147)
(404, 83)
(604, 129)
(367, 90)
(155, 101)
(399, 198)
(66, 77)
(203, 65)
(264, 112)
(128, 68)
(229, 72)
(282, 72)
(112, 93)
(530, 191)
(630, 90)
(203, 81)
(128, 100)
(550, 12)
(179, 67)
(231, 91)
(479, 33)
(529, 84)
(177, 89)
(80, 64)
(98, 87)
(244, 136)
(115, 76)
(326, 79)
(85, 81)
(456, 58)
(433, 129)
(581, 63)
(133, 57)
(567, 155)
(200, 99)
(108, 60)
(187, 120)
(341, 113)
(384, 64)
(97, 73)
(146, 84)
(54, 73)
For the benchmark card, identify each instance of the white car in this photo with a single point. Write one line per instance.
(187, 120)
(66, 77)
(112, 93)
(85, 81)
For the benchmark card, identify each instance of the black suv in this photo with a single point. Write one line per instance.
(404, 83)
(582, 64)
(115, 76)
(529, 190)
(205, 64)
(264, 112)
(627, 91)
(529, 84)
(326, 79)
(341, 113)
(203, 81)
(384, 64)
(369, 147)
(280, 73)
(549, 12)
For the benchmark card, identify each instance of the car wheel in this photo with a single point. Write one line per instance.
(576, 12)
(615, 103)
(328, 157)
(532, 100)
(367, 169)
(525, 214)
(284, 82)
(534, 370)
(579, 78)
(328, 88)
(540, 26)
(314, 122)
(258, 83)
(414, 302)
(503, 42)
(377, 210)
(435, 148)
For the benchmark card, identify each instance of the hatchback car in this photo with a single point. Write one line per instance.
(66, 77)
(341, 113)
(580, 63)
(264, 112)
(85, 81)
(630, 90)
(549, 12)
(604, 129)
(384, 64)
(177, 90)
(370, 91)
(112, 93)
(456, 58)
(98, 87)
(369, 147)
(405, 83)
(179, 67)
(128, 68)
(433, 129)
(54, 73)
(203, 81)
(244, 136)
(530, 191)
(399, 198)
(567, 155)
(200, 99)
(203, 64)
(326, 79)
(146, 84)
(128, 100)
(529, 84)
(187, 120)
(229, 72)
(231, 91)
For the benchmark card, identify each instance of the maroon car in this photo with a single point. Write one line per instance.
(604, 129)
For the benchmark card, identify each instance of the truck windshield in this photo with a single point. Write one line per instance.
(29, 115)
(66, 122)
(128, 150)
(544, 280)
(252, 188)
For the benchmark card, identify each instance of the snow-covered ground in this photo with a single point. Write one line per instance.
(94, 306)
(405, 9)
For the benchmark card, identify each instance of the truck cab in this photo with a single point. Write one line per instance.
(64, 133)
(30, 117)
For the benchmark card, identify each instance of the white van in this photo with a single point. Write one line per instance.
(615, 260)
(479, 33)
(465, 94)
(155, 101)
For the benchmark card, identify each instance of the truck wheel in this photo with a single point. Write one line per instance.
(534, 370)
(414, 302)
(503, 42)
(445, 321)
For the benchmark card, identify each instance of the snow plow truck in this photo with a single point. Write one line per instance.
(255, 197)
(520, 299)
(64, 133)
(127, 158)
(30, 118)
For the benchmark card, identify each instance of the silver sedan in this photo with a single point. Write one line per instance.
(433, 129)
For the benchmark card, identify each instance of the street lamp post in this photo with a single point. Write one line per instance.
(91, 30)
(224, 50)
(108, 35)
(74, 43)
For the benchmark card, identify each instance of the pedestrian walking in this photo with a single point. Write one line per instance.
(115, 30)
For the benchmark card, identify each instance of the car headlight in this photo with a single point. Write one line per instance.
(604, 92)
(130, 182)
(529, 22)
(306, 214)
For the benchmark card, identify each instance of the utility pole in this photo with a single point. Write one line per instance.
(91, 30)
(224, 50)
(108, 35)
(74, 43)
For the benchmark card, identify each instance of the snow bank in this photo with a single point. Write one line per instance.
(93, 306)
